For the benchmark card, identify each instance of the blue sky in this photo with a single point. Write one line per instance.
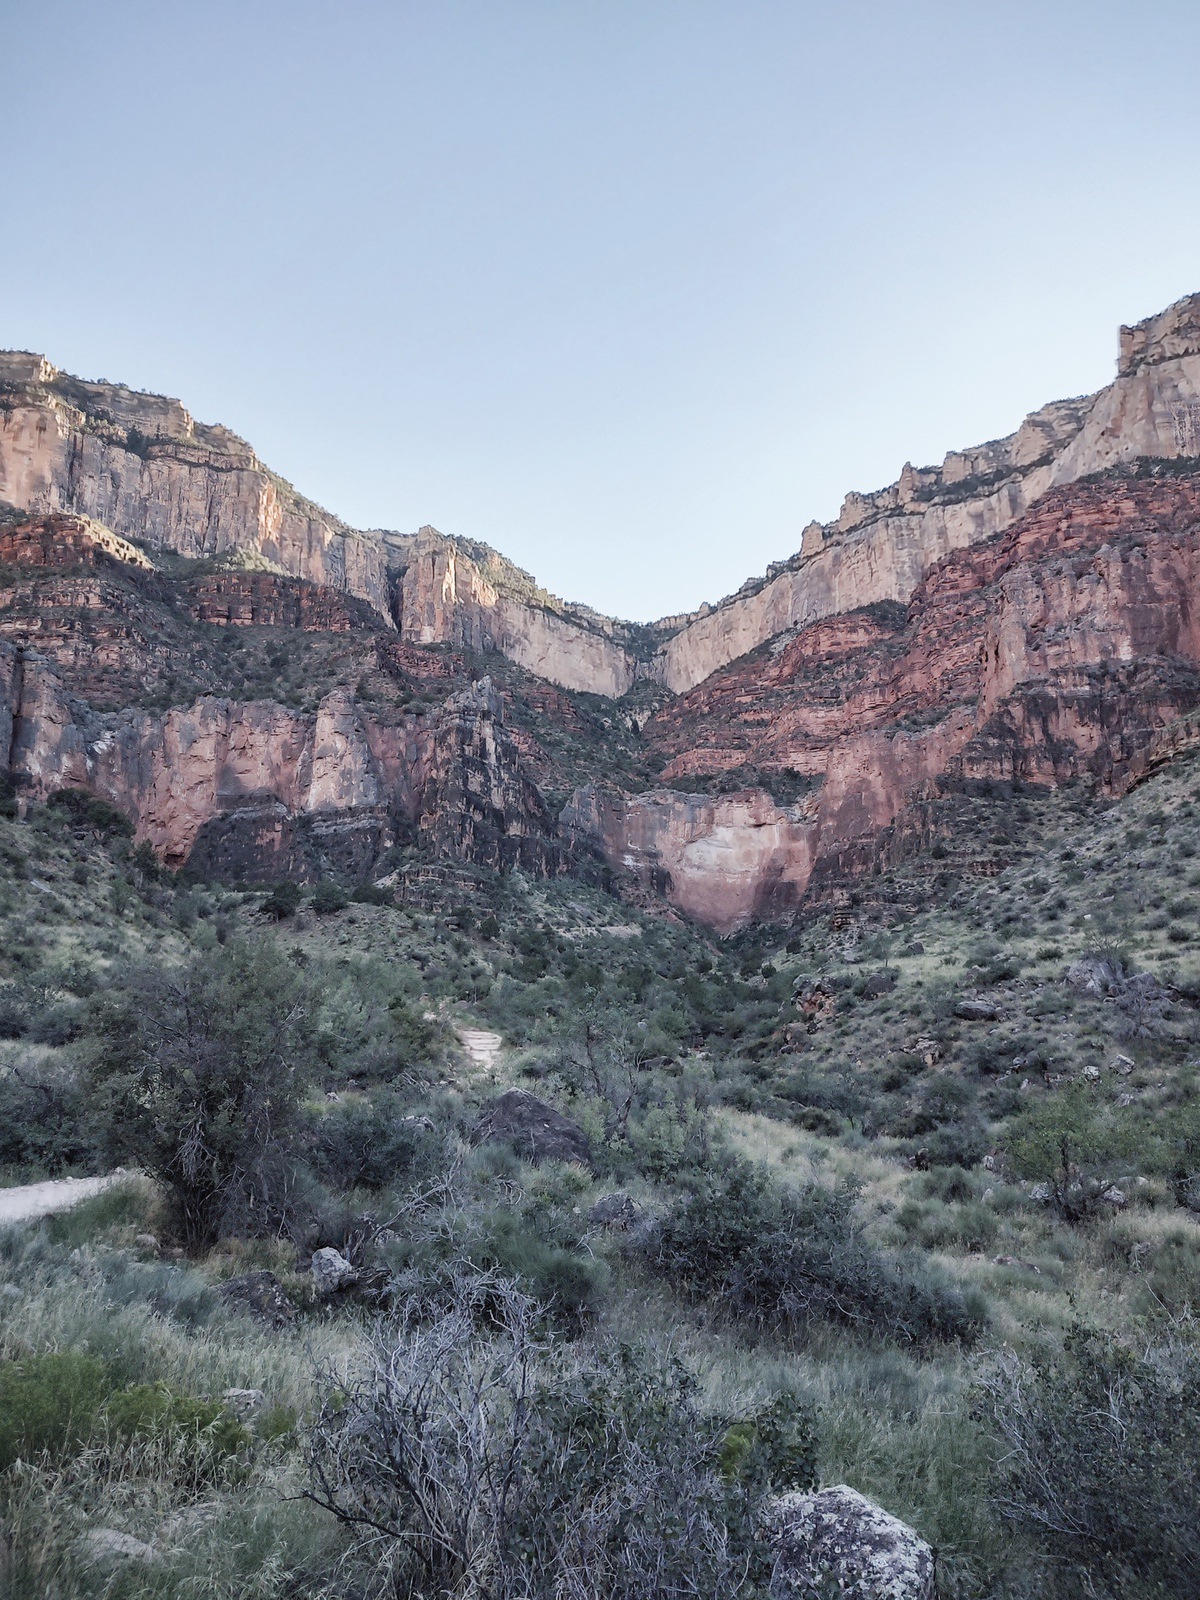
(631, 291)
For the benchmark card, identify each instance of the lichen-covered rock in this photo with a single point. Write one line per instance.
(533, 1127)
(618, 1210)
(261, 1295)
(331, 1271)
(838, 1541)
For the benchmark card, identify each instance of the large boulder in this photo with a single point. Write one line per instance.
(262, 1296)
(838, 1541)
(536, 1131)
(617, 1210)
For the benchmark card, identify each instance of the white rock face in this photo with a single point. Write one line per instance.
(839, 1541)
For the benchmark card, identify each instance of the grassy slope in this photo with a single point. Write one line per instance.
(854, 1099)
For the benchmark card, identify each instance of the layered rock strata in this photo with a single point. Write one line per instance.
(883, 544)
(444, 596)
(142, 466)
(1067, 647)
(255, 790)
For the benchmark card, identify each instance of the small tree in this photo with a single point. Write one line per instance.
(1070, 1145)
(199, 1071)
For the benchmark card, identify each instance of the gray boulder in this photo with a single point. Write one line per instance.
(331, 1271)
(1095, 975)
(261, 1295)
(244, 1402)
(615, 1210)
(976, 1011)
(108, 1547)
(838, 1541)
(536, 1131)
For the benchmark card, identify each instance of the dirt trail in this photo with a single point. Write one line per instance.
(31, 1200)
(481, 1046)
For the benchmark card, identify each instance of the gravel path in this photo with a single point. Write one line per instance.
(30, 1200)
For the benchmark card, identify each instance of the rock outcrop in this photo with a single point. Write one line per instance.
(141, 465)
(256, 790)
(883, 544)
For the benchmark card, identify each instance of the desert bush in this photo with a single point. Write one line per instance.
(199, 1073)
(490, 1460)
(329, 897)
(1070, 1145)
(204, 1439)
(84, 810)
(1099, 1458)
(45, 1119)
(282, 901)
(366, 1143)
(781, 1257)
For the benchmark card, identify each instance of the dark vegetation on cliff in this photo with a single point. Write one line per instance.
(910, 1187)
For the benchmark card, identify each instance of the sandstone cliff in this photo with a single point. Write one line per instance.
(139, 464)
(452, 592)
(256, 790)
(1067, 647)
(883, 544)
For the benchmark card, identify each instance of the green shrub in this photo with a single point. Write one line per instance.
(283, 901)
(206, 1437)
(569, 1285)
(328, 898)
(84, 810)
(780, 1257)
(366, 1143)
(49, 1404)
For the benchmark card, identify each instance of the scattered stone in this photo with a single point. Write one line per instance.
(244, 1401)
(419, 1124)
(615, 1210)
(988, 1196)
(331, 1271)
(108, 1546)
(976, 1011)
(914, 948)
(879, 983)
(147, 1244)
(1124, 1100)
(1114, 1197)
(261, 1295)
(929, 1050)
(533, 1127)
(1091, 1073)
(839, 1541)
(1040, 1194)
(1122, 1064)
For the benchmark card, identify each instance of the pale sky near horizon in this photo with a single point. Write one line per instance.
(631, 291)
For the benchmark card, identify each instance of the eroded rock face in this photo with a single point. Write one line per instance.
(255, 790)
(144, 468)
(884, 544)
(445, 598)
(1066, 647)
